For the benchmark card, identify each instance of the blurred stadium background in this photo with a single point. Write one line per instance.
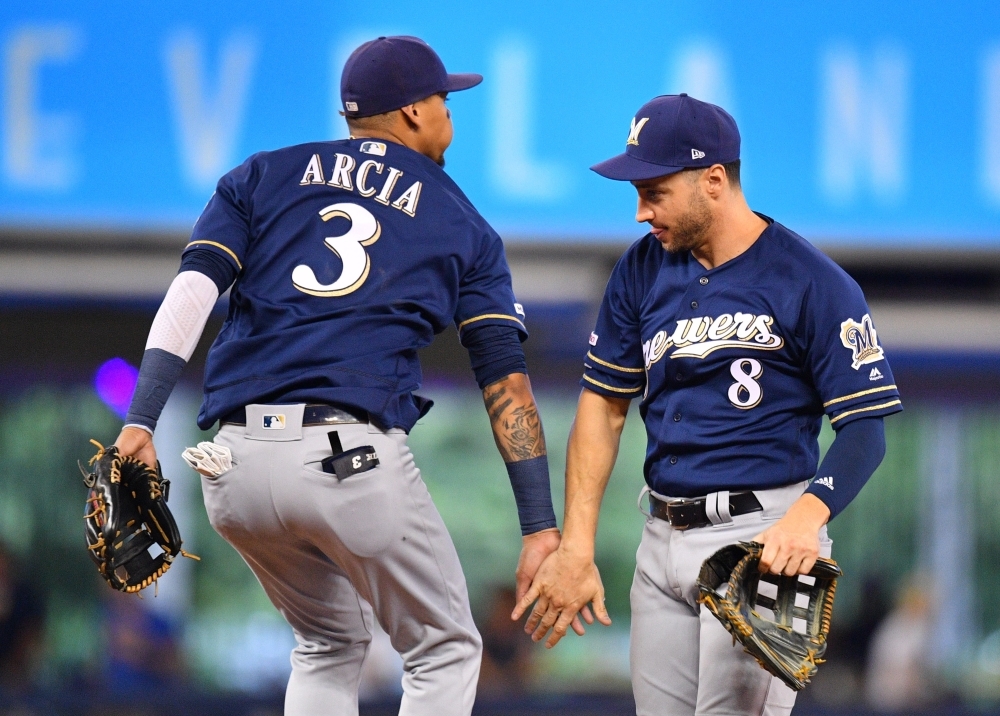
(871, 128)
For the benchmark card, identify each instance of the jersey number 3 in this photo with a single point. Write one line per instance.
(746, 392)
(364, 231)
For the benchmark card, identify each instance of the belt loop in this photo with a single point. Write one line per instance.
(638, 503)
(712, 508)
(722, 506)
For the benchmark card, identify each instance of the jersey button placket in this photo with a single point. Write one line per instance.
(677, 417)
(703, 280)
(673, 459)
(694, 304)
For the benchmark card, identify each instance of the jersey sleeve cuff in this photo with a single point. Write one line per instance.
(611, 387)
(886, 403)
(217, 247)
(627, 372)
(493, 319)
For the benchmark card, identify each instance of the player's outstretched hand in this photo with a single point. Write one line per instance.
(791, 545)
(137, 442)
(561, 590)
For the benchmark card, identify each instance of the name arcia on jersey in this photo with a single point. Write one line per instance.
(697, 337)
(347, 174)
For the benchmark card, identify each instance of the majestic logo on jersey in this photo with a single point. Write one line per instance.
(519, 309)
(593, 338)
(344, 166)
(698, 337)
(633, 132)
(862, 340)
(876, 374)
(274, 422)
(697, 154)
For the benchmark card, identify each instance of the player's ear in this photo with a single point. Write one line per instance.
(412, 116)
(715, 180)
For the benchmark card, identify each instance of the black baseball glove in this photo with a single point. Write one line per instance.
(125, 516)
(789, 650)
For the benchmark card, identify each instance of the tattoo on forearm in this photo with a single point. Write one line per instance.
(517, 429)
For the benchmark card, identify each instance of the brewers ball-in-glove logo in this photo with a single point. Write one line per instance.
(862, 340)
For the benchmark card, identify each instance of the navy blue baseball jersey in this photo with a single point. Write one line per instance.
(737, 365)
(350, 256)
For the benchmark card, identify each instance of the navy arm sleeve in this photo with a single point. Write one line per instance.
(221, 270)
(495, 352)
(851, 460)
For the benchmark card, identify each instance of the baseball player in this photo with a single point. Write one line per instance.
(343, 259)
(737, 336)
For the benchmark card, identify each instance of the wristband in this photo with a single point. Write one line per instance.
(158, 374)
(530, 481)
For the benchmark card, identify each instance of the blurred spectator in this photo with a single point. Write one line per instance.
(899, 677)
(507, 668)
(143, 649)
(22, 625)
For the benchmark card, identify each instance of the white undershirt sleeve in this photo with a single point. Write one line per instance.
(182, 316)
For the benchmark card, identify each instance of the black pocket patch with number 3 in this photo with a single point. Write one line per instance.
(345, 464)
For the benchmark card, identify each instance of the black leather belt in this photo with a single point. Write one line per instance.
(314, 415)
(685, 514)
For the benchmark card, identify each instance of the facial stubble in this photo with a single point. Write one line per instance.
(690, 230)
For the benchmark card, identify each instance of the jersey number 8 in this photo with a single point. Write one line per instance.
(364, 231)
(746, 392)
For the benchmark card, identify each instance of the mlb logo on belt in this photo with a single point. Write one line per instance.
(274, 422)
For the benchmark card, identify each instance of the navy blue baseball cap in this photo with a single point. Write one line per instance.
(392, 72)
(671, 133)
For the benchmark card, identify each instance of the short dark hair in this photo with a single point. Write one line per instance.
(732, 172)
(375, 121)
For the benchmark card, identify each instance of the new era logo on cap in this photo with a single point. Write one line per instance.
(696, 154)
(351, 106)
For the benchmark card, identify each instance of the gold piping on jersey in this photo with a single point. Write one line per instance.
(218, 246)
(828, 403)
(864, 410)
(612, 365)
(611, 387)
(483, 317)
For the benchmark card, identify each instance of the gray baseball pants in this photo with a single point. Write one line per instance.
(331, 554)
(683, 660)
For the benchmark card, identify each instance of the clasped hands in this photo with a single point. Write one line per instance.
(565, 583)
(563, 589)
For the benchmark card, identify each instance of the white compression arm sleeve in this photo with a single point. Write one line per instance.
(182, 316)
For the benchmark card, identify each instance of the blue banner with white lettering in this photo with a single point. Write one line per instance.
(862, 122)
